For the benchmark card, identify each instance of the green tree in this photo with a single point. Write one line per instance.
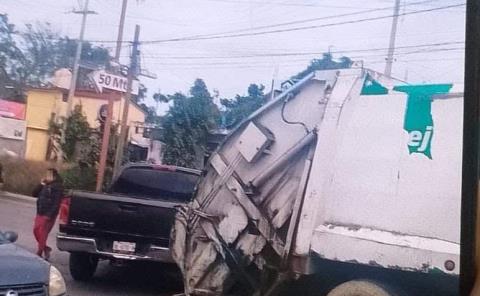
(142, 94)
(30, 57)
(158, 97)
(77, 131)
(151, 114)
(242, 106)
(82, 148)
(325, 63)
(187, 124)
(46, 51)
(12, 60)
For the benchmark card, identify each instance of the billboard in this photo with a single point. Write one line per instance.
(12, 109)
(13, 129)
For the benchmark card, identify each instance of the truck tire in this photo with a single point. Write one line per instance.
(360, 288)
(82, 266)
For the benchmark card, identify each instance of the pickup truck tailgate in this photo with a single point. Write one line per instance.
(131, 217)
(139, 207)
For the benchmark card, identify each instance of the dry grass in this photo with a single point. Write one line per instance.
(21, 176)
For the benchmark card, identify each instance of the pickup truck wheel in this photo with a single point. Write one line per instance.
(360, 288)
(82, 266)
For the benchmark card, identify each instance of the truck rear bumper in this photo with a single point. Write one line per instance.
(72, 243)
(388, 249)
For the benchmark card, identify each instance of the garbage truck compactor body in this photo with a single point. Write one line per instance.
(347, 177)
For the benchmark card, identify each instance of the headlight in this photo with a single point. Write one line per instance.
(56, 285)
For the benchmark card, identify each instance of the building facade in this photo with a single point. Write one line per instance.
(12, 128)
(46, 104)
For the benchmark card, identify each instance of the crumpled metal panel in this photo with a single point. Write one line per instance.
(200, 251)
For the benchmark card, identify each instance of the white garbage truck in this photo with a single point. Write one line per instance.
(347, 183)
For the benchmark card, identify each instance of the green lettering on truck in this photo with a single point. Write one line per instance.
(418, 121)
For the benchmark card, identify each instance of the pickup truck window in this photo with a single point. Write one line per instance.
(155, 184)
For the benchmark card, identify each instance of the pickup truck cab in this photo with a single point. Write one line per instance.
(131, 221)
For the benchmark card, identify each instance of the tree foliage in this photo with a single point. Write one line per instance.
(325, 63)
(187, 124)
(31, 56)
(77, 132)
(82, 147)
(46, 51)
(151, 114)
(12, 72)
(242, 106)
(142, 94)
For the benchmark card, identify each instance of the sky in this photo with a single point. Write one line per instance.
(257, 41)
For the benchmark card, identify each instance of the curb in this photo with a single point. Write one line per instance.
(15, 196)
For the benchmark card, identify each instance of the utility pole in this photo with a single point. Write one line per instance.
(108, 120)
(393, 35)
(76, 62)
(132, 72)
(105, 142)
(73, 83)
(120, 31)
(274, 77)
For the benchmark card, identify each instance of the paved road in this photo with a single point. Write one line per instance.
(141, 280)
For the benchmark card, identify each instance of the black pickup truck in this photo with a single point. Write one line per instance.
(131, 221)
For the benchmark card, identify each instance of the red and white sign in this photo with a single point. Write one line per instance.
(12, 109)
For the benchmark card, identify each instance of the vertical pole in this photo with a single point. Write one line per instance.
(274, 77)
(131, 75)
(120, 31)
(393, 35)
(108, 121)
(105, 142)
(470, 218)
(73, 83)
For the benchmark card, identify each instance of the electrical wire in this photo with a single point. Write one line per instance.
(289, 97)
(302, 53)
(283, 4)
(308, 20)
(264, 64)
(237, 33)
(301, 28)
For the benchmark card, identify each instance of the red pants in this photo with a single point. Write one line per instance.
(41, 228)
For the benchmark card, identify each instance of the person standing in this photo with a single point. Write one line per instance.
(49, 194)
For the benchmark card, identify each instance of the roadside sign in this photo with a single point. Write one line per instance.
(103, 80)
(12, 128)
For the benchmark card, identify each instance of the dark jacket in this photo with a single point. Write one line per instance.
(48, 197)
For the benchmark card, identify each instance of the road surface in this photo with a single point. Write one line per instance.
(141, 280)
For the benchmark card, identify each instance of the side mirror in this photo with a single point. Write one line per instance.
(11, 236)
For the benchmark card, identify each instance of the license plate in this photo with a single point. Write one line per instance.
(123, 247)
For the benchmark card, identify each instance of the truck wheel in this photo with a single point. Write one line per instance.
(82, 266)
(360, 288)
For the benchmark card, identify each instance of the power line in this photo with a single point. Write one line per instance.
(303, 53)
(289, 61)
(265, 64)
(283, 4)
(270, 65)
(234, 32)
(220, 34)
(308, 20)
(216, 36)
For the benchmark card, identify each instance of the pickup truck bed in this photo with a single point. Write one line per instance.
(130, 222)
